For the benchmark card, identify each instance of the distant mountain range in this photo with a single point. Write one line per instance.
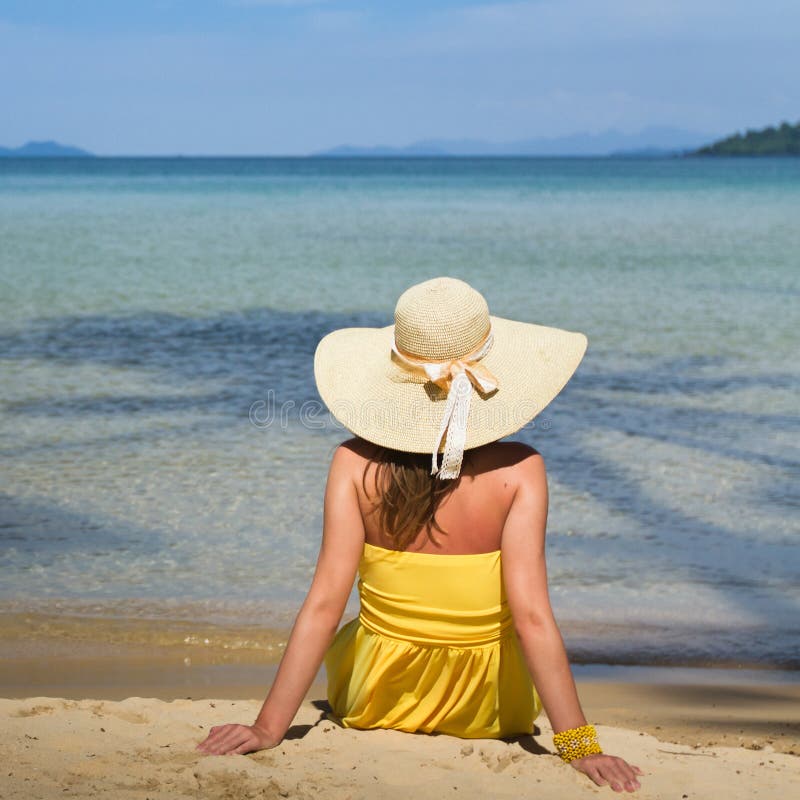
(654, 141)
(651, 141)
(43, 150)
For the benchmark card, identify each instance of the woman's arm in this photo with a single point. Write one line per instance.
(316, 622)
(525, 577)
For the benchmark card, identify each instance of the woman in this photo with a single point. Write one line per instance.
(455, 634)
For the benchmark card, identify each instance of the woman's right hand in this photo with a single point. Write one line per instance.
(612, 770)
(238, 739)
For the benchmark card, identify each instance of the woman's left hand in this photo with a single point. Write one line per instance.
(236, 739)
(614, 771)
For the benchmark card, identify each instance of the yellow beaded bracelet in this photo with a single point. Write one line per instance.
(577, 742)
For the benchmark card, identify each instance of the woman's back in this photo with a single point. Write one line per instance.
(433, 647)
(473, 515)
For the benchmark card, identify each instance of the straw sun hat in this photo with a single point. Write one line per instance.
(447, 376)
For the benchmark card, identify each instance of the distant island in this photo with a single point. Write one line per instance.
(653, 141)
(781, 141)
(43, 150)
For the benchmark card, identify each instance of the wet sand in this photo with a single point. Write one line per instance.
(688, 706)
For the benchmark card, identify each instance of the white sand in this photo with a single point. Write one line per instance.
(145, 749)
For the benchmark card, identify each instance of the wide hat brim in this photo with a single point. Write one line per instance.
(375, 398)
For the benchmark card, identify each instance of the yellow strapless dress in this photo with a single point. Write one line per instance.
(433, 649)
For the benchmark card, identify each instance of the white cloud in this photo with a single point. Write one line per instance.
(559, 24)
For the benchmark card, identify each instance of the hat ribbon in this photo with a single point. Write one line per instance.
(456, 377)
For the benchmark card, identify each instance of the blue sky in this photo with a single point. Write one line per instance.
(298, 76)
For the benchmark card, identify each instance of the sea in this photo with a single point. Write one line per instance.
(161, 485)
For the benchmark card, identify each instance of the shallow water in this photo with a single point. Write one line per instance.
(148, 304)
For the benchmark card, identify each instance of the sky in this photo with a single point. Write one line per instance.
(292, 77)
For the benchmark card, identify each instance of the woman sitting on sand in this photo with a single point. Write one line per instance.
(455, 634)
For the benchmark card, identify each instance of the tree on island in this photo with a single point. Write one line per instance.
(781, 141)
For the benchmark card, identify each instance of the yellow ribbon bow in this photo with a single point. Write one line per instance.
(457, 378)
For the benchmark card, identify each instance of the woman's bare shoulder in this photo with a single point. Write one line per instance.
(508, 456)
(353, 454)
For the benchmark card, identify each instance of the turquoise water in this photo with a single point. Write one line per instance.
(148, 304)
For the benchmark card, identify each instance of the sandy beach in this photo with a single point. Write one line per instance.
(144, 748)
(124, 725)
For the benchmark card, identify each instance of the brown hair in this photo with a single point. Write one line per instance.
(407, 495)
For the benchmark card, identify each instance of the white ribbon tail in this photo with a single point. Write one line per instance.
(454, 421)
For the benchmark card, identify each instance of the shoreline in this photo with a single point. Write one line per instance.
(88, 662)
(754, 709)
(204, 633)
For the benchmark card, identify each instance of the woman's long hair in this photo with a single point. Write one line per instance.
(407, 495)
